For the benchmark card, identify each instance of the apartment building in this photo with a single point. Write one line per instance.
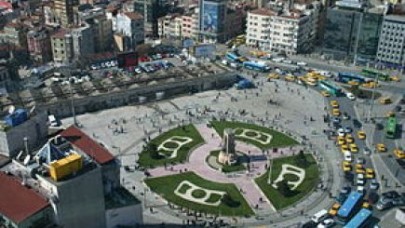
(131, 25)
(63, 11)
(15, 33)
(72, 44)
(258, 28)
(179, 26)
(39, 44)
(391, 46)
(292, 32)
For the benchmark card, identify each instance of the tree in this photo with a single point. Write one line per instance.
(153, 150)
(229, 201)
(284, 188)
(301, 159)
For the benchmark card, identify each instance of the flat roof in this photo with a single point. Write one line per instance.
(18, 202)
(87, 145)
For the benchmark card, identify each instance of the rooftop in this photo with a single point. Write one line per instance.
(133, 15)
(263, 12)
(87, 145)
(60, 34)
(18, 202)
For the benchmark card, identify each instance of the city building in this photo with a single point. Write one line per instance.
(15, 33)
(39, 44)
(72, 44)
(391, 47)
(21, 206)
(21, 131)
(212, 20)
(180, 26)
(5, 80)
(151, 10)
(258, 28)
(290, 31)
(131, 25)
(63, 10)
(352, 32)
(234, 23)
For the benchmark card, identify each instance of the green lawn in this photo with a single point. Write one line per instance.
(166, 185)
(277, 199)
(145, 160)
(278, 139)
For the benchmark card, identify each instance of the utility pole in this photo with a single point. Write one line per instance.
(270, 169)
(72, 106)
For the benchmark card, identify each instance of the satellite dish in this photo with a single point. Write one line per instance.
(11, 109)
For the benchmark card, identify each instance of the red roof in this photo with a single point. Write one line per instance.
(133, 15)
(263, 12)
(18, 202)
(86, 144)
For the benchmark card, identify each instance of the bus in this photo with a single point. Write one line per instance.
(371, 73)
(258, 66)
(232, 56)
(349, 207)
(360, 219)
(346, 77)
(391, 127)
(331, 88)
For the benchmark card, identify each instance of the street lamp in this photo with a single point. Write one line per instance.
(270, 169)
(72, 106)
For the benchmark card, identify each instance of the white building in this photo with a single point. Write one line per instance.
(131, 25)
(258, 28)
(291, 32)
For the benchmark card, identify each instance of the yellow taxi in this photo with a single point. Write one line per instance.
(360, 171)
(400, 154)
(335, 112)
(289, 78)
(381, 147)
(273, 76)
(349, 138)
(390, 114)
(370, 173)
(341, 140)
(395, 78)
(346, 166)
(334, 104)
(354, 148)
(385, 100)
(334, 209)
(366, 205)
(361, 134)
(359, 166)
(370, 85)
(325, 93)
(353, 83)
(344, 148)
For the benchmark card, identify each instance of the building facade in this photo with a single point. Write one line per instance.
(391, 47)
(16, 34)
(131, 25)
(151, 10)
(63, 10)
(39, 44)
(352, 33)
(258, 28)
(212, 20)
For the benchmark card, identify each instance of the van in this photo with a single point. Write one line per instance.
(320, 216)
(52, 121)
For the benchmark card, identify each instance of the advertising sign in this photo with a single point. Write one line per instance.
(210, 17)
(204, 50)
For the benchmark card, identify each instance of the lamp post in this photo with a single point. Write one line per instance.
(72, 106)
(270, 169)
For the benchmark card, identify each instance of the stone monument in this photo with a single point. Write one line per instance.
(227, 155)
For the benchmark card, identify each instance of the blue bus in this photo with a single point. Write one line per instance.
(360, 219)
(349, 207)
(346, 77)
(256, 66)
(331, 88)
(235, 57)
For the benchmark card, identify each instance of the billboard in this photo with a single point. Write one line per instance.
(204, 50)
(127, 59)
(210, 17)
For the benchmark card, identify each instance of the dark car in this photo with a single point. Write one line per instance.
(390, 195)
(357, 123)
(372, 197)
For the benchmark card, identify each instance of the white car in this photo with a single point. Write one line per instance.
(341, 132)
(348, 156)
(350, 96)
(360, 189)
(327, 223)
(360, 182)
(302, 64)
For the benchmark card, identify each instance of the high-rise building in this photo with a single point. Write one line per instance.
(258, 28)
(63, 10)
(391, 47)
(212, 20)
(352, 32)
(151, 10)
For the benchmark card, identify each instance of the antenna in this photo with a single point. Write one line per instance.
(11, 109)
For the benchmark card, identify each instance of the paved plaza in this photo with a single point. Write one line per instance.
(280, 105)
